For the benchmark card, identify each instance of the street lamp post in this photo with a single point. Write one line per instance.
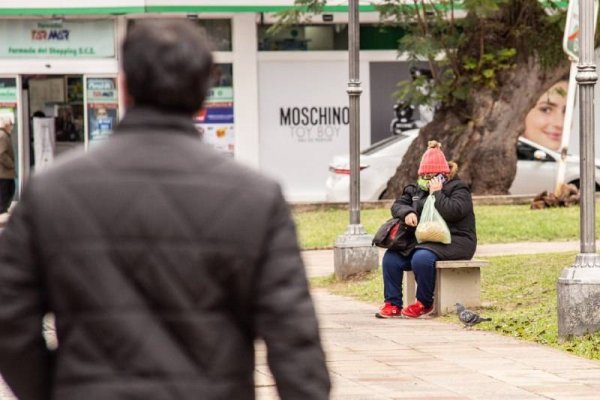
(579, 285)
(353, 252)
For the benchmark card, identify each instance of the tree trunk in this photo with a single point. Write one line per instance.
(484, 144)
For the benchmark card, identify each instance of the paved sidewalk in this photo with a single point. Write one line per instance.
(375, 359)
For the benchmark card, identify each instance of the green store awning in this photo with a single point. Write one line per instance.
(103, 7)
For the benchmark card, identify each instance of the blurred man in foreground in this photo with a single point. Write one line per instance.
(160, 259)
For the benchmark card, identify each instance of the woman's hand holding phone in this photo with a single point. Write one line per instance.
(436, 183)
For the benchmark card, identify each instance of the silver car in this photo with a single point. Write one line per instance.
(536, 169)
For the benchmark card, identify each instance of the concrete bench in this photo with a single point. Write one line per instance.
(457, 281)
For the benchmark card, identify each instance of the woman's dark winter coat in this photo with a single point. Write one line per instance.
(455, 205)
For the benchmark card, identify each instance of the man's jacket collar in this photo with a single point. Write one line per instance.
(145, 119)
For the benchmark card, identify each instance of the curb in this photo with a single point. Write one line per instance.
(366, 205)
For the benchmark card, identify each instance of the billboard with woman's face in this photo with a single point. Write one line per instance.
(544, 122)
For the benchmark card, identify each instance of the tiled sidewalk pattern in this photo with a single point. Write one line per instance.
(374, 359)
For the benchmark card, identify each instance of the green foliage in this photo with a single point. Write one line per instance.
(518, 293)
(484, 8)
(488, 66)
(495, 224)
(301, 12)
(468, 44)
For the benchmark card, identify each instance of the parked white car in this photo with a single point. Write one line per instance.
(536, 168)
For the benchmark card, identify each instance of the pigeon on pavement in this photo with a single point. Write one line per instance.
(468, 317)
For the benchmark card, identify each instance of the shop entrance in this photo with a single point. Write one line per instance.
(59, 113)
(53, 118)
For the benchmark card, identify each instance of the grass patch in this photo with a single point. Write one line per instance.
(319, 229)
(518, 293)
(495, 224)
(506, 224)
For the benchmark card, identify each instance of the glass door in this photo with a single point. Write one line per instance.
(10, 98)
(101, 98)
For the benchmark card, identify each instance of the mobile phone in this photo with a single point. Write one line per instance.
(441, 178)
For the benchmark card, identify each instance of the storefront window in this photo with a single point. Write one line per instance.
(327, 37)
(102, 108)
(215, 121)
(8, 108)
(218, 31)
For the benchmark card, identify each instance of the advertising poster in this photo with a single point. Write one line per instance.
(304, 122)
(44, 142)
(215, 121)
(102, 107)
(575, 134)
(220, 136)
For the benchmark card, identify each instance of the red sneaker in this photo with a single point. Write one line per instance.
(389, 310)
(416, 310)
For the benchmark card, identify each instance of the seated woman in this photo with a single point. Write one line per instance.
(454, 203)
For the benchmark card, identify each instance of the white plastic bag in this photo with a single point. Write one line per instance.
(432, 227)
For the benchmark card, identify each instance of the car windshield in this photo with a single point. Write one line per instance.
(382, 144)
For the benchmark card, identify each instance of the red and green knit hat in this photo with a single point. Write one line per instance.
(433, 160)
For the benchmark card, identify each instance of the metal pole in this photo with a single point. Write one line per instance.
(353, 251)
(578, 288)
(586, 79)
(354, 91)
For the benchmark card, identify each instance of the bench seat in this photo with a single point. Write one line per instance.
(457, 281)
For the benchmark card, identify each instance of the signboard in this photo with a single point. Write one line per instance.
(102, 107)
(218, 107)
(57, 38)
(304, 115)
(572, 34)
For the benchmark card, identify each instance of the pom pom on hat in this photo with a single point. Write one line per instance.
(433, 160)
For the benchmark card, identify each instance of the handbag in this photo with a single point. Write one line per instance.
(395, 235)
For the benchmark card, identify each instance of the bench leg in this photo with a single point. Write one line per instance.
(409, 288)
(457, 285)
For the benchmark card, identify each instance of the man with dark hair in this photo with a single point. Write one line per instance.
(161, 260)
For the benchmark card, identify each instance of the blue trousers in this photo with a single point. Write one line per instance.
(421, 262)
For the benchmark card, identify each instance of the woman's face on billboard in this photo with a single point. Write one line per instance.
(544, 122)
